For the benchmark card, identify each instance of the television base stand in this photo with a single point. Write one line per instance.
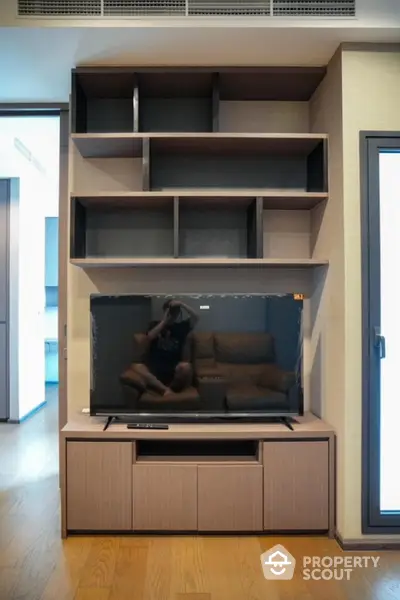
(286, 421)
(108, 423)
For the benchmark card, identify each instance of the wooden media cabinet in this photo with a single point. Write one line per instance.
(198, 478)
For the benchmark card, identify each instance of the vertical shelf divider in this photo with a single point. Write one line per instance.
(78, 106)
(135, 106)
(215, 103)
(260, 227)
(146, 165)
(77, 235)
(317, 168)
(176, 227)
(255, 229)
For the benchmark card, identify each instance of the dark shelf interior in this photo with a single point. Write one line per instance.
(122, 231)
(175, 102)
(285, 84)
(103, 102)
(186, 114)
(166, 227)
(224, 230)
(182, 165)
(178, 99)
(197, 448)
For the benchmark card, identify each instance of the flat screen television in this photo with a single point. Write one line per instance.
(209, 356)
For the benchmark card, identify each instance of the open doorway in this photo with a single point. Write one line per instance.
(30, 155)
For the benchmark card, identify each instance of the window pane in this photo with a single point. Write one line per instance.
(389, 176)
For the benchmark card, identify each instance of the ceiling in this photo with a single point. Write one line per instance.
(35, 63)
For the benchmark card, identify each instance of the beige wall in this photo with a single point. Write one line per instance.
(327, 305)
(371, 101)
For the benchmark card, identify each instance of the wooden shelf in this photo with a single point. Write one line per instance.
(234, 143)
(109, 145)
(93, 263)
(274, 199)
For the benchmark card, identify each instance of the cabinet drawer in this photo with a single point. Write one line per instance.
(230, 498)
(164, 497)
(296, 486)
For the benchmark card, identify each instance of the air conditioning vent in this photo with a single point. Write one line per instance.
(59, 8)
(144, 8)
(211, 8)
(314, 8)
(186, 8)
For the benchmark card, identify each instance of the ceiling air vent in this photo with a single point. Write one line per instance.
(314, 8)
(144, 8)
(186, 8)
(59, 8)
(230, 8)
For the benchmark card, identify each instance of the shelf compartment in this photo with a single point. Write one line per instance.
(295, 84)
(263, 117)
(116, 228)
(293, 264)
(219, 227)
(175, 102)
(108, 145)
(287, 234)
(197, 451)
(286, 162)
(98, 176)
(103, 101)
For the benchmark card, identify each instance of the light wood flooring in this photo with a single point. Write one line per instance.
(35, 564)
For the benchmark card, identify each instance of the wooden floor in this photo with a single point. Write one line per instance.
(35, 564)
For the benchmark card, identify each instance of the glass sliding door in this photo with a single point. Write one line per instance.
(381, 331)
(389, 207)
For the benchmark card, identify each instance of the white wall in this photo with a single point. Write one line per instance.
(27, 232)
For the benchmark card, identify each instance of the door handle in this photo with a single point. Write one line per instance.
(380, 342)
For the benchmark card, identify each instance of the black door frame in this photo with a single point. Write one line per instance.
(371, 144)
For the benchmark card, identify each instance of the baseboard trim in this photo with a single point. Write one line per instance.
(363, 545)
(28, 415)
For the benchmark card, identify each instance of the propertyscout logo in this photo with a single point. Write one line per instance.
(277, 563)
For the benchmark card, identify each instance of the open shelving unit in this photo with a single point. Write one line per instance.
(167, 175)
(219, 174)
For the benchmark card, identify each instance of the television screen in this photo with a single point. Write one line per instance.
(196, 356)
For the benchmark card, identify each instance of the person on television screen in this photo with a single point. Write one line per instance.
(165, 369)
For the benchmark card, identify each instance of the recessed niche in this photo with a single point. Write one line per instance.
(117, 230)
(175, 102)
(103, 102)
(227, 229)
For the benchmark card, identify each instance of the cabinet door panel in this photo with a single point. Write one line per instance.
(230, 498)
(296, 486)
(99, 486)
(164, 497)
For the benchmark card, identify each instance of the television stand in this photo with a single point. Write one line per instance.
(215, 478)
(288, 422)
